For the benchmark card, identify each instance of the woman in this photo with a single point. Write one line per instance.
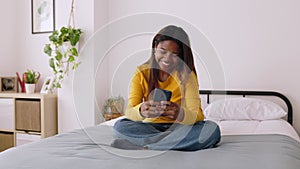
(162, 125)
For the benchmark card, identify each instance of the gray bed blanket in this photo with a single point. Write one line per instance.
(89, 148)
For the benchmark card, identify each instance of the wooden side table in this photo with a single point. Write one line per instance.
(112, 116)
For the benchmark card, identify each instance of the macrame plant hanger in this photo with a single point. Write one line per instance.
(71, 17)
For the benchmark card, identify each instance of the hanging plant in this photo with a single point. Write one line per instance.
(63, 50)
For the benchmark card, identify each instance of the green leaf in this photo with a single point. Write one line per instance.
(58, 85)
(53, 37)
(74, 51)
(42, 7)
(64, 30)
(48, 49)
(63, 38)
(51, 63)
(75, 65)
(71, 58)
(74, 36)
(58, 56)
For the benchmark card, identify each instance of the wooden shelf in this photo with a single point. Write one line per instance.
(34, 114)
(6, 140)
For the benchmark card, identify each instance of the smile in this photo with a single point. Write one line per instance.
(166, 63)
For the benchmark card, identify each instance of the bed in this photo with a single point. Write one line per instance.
(248, 141)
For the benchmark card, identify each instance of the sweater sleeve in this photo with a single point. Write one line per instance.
(135, 98)
(192, 103)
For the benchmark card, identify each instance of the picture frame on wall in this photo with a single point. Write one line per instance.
(42, 16)
(8, 84)
(46, 85)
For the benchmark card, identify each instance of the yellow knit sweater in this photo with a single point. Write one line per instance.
(190, 102)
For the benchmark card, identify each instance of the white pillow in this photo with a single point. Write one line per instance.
(243, 109)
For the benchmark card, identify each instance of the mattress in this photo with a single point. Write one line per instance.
(89, 148)
(246, 127)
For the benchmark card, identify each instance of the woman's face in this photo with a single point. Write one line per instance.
(166, 55)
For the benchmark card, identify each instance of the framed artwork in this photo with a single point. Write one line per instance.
(9, 84)
(46, 85)
(42, 16)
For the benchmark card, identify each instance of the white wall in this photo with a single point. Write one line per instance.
(30, 46)
(73, 113)
(22, 50)
(8, 44)
(256, 42)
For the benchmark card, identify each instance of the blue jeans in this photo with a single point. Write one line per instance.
(170, 136)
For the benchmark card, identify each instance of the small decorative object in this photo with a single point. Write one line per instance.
(21, 83)
(30, 88)
(30, 77)
(113, 107)
(63, 51)
(8, 84)
(42, 16)
(47, 85)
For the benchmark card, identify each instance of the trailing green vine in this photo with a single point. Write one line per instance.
(63, 51)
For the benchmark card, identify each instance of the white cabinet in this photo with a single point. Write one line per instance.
(7, 114)
(23, 138)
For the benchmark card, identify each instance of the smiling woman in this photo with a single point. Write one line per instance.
(176, 123)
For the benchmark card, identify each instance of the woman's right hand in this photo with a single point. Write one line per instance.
(151, 109)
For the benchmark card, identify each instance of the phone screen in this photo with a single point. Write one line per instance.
(161, 95)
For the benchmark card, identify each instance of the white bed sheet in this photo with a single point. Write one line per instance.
(240, 127)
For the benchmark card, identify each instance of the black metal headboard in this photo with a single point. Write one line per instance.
(253, 93)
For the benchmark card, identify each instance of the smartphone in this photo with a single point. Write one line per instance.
(161, 95)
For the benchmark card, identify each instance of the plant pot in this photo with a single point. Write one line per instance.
(30, 88)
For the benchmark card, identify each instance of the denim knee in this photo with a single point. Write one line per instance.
(210, 133)
(120, 125)
(217, 135)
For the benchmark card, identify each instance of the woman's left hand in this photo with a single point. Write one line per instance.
(172, 110)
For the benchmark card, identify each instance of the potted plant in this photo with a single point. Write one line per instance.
(113, 107)
(63, 53)
(63, 50)
(30, 78)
